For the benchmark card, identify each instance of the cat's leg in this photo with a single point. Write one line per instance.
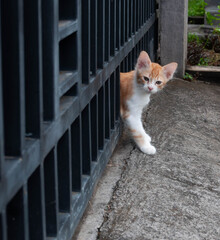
(141, 138)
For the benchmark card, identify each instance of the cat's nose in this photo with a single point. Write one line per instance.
(150, 88)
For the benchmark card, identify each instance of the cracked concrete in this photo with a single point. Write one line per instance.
(174, 194)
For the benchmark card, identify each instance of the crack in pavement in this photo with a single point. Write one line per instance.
(110, 203)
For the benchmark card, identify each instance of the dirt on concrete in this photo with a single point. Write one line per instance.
(174, 194)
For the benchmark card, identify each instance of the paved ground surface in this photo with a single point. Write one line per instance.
(174, 194)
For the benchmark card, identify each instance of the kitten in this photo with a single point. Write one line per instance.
(136, 88)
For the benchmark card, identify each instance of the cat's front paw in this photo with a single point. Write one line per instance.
(148, 149)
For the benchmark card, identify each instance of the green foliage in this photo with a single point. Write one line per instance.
(192, 37)
(203, 62)
(216, 31)
(188, 76)
(210, 18)
(196, 8)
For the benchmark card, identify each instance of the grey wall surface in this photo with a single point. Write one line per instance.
(173, 33)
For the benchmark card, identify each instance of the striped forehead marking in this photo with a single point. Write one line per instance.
(155, 72)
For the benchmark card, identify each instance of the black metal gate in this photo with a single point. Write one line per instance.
(59, 105)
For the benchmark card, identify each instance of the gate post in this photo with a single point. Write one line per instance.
(173, 34)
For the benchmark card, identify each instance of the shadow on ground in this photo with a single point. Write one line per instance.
(176, 193)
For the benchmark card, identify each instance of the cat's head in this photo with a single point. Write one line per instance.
(151, 76)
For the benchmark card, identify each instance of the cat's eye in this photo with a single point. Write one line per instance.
(158, 82)
(146, 79)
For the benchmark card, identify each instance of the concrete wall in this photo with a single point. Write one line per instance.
(173, 33)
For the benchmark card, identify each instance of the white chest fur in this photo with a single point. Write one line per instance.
(137, 102)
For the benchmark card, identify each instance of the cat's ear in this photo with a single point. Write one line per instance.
(169, 70)
(143, 61)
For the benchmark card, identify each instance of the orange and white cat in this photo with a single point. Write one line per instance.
(136, 88)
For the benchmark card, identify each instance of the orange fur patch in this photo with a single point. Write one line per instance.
(155, 71)
(132, 130)
(138, 136)
(126, 91)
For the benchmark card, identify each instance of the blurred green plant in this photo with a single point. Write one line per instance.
(196, 7)
(203, 61)
(210, 18)
(216, 31)
(188, 76)
(192, 37)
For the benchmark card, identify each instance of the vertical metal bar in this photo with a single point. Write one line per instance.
(13, 80)
(130, 61)
(142, 12)
(145, 41)
(137, 52)
(101, 120)
(86, 141)
(15, 217)
(76, 155)
(85, 31)
(137, 15)
(36, 206)
(134, 17)
(94, 128)
(148, 9)
(125, 64)
(1, 117)
(112, 99)
(117, 93)
(33, 67)
(107, 109)
(134, 56)
(126, 19)
(122, 12)
(145, 10)
(70, 165)
(50, 59)
(63, 167)
(107, 30)
(130, 17)
(156, 37)
(118, 27)
(100, 33)
(93, 34)
(141, 44)
(112, 27)
(50, 191)
(3, 226)
(79, 44)
(26, 211)
(129, 56)
(148, 42)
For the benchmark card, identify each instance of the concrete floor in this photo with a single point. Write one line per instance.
(174, 194)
